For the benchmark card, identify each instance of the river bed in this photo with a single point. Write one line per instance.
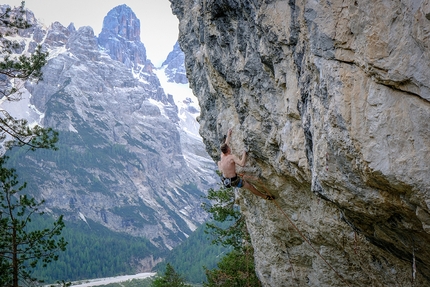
(108, 280)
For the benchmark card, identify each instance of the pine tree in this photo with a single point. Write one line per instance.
(14, 71)
(236, 269)
(21, 248)
(170, 279)
(228, 228)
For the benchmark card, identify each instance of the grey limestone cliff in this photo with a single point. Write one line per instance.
(332, 99)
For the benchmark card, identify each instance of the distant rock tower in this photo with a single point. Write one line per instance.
(120, 37)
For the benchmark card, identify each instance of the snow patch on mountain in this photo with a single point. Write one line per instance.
(188, 108)
(57, 51)
(22, 109)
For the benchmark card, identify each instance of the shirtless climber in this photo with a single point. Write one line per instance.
(227, 165)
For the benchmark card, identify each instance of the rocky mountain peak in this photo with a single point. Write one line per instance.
(122, 21)
(58, 35)
(71, 27)
(83, 43)
(174, 66)
(120, 37)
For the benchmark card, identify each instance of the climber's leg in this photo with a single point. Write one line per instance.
(251, 188)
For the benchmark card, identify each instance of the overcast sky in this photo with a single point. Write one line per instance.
(159, 27)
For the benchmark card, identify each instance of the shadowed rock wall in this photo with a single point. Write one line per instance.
(332, 99)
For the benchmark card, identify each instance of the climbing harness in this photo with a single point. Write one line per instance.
(227, 182)
(298, 231)
(235, 181)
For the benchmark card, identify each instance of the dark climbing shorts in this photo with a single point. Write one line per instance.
(232, 182)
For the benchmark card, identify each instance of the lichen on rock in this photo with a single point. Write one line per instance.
(332, 99)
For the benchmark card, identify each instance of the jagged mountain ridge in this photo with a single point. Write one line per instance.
(332, 100)
(121, 161)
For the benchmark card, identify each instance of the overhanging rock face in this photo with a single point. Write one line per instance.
(332, 99)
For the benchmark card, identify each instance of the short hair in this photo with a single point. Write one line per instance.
(224, 148)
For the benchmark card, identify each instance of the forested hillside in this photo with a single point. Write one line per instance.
(192, 255)
(94, 251)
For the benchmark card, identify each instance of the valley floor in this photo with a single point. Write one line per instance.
(109, 280)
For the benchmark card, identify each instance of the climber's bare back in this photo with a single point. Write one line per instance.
(227, 165)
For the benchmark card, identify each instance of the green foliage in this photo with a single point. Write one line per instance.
(170, 279)
(21, 247)
(191, 255)
(24, 135)
(25, 67)
(94, 251)
(22, 67)
(223, 210)
(78, 157)
(14, 71)
(236, 269)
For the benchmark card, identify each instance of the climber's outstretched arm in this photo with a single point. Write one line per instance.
(242, 161)
(227, 140)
